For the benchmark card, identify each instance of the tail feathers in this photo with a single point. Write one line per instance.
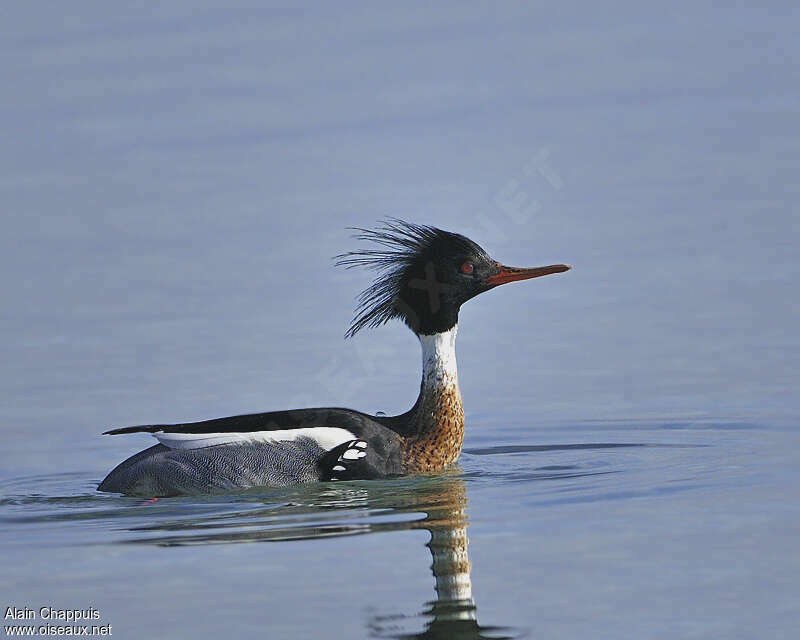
(144, 428)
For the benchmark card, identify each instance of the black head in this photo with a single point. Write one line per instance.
(425, 274)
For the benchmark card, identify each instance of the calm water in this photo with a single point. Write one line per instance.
(641, 528)
(173, 183)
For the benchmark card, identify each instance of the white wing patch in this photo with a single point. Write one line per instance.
(326, 437)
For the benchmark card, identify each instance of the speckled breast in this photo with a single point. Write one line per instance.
(441, 434)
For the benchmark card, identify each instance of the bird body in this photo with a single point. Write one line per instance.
(425, 274)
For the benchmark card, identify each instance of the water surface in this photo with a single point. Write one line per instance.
(173, 183)
(658, 528)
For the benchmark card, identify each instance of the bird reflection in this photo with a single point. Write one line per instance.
(453, 614)
(339, 509)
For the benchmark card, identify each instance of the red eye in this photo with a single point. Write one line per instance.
(467, 268)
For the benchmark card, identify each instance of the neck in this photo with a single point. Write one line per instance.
(437, 418)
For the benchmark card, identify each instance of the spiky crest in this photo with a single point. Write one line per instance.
(404, 250)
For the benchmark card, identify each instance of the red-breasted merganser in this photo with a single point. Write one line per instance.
(424, 276)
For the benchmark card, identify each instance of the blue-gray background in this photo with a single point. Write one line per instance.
(175, 179)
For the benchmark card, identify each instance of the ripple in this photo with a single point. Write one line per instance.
(65, 509)
(453, 619)
(571, 472)
(488, 451)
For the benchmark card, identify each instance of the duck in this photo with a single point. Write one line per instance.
(424, 275)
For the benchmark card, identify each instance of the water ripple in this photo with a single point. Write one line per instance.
(540, 476)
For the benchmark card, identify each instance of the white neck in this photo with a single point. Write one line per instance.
(439, 359)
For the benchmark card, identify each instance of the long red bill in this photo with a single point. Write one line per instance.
(510, 274)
